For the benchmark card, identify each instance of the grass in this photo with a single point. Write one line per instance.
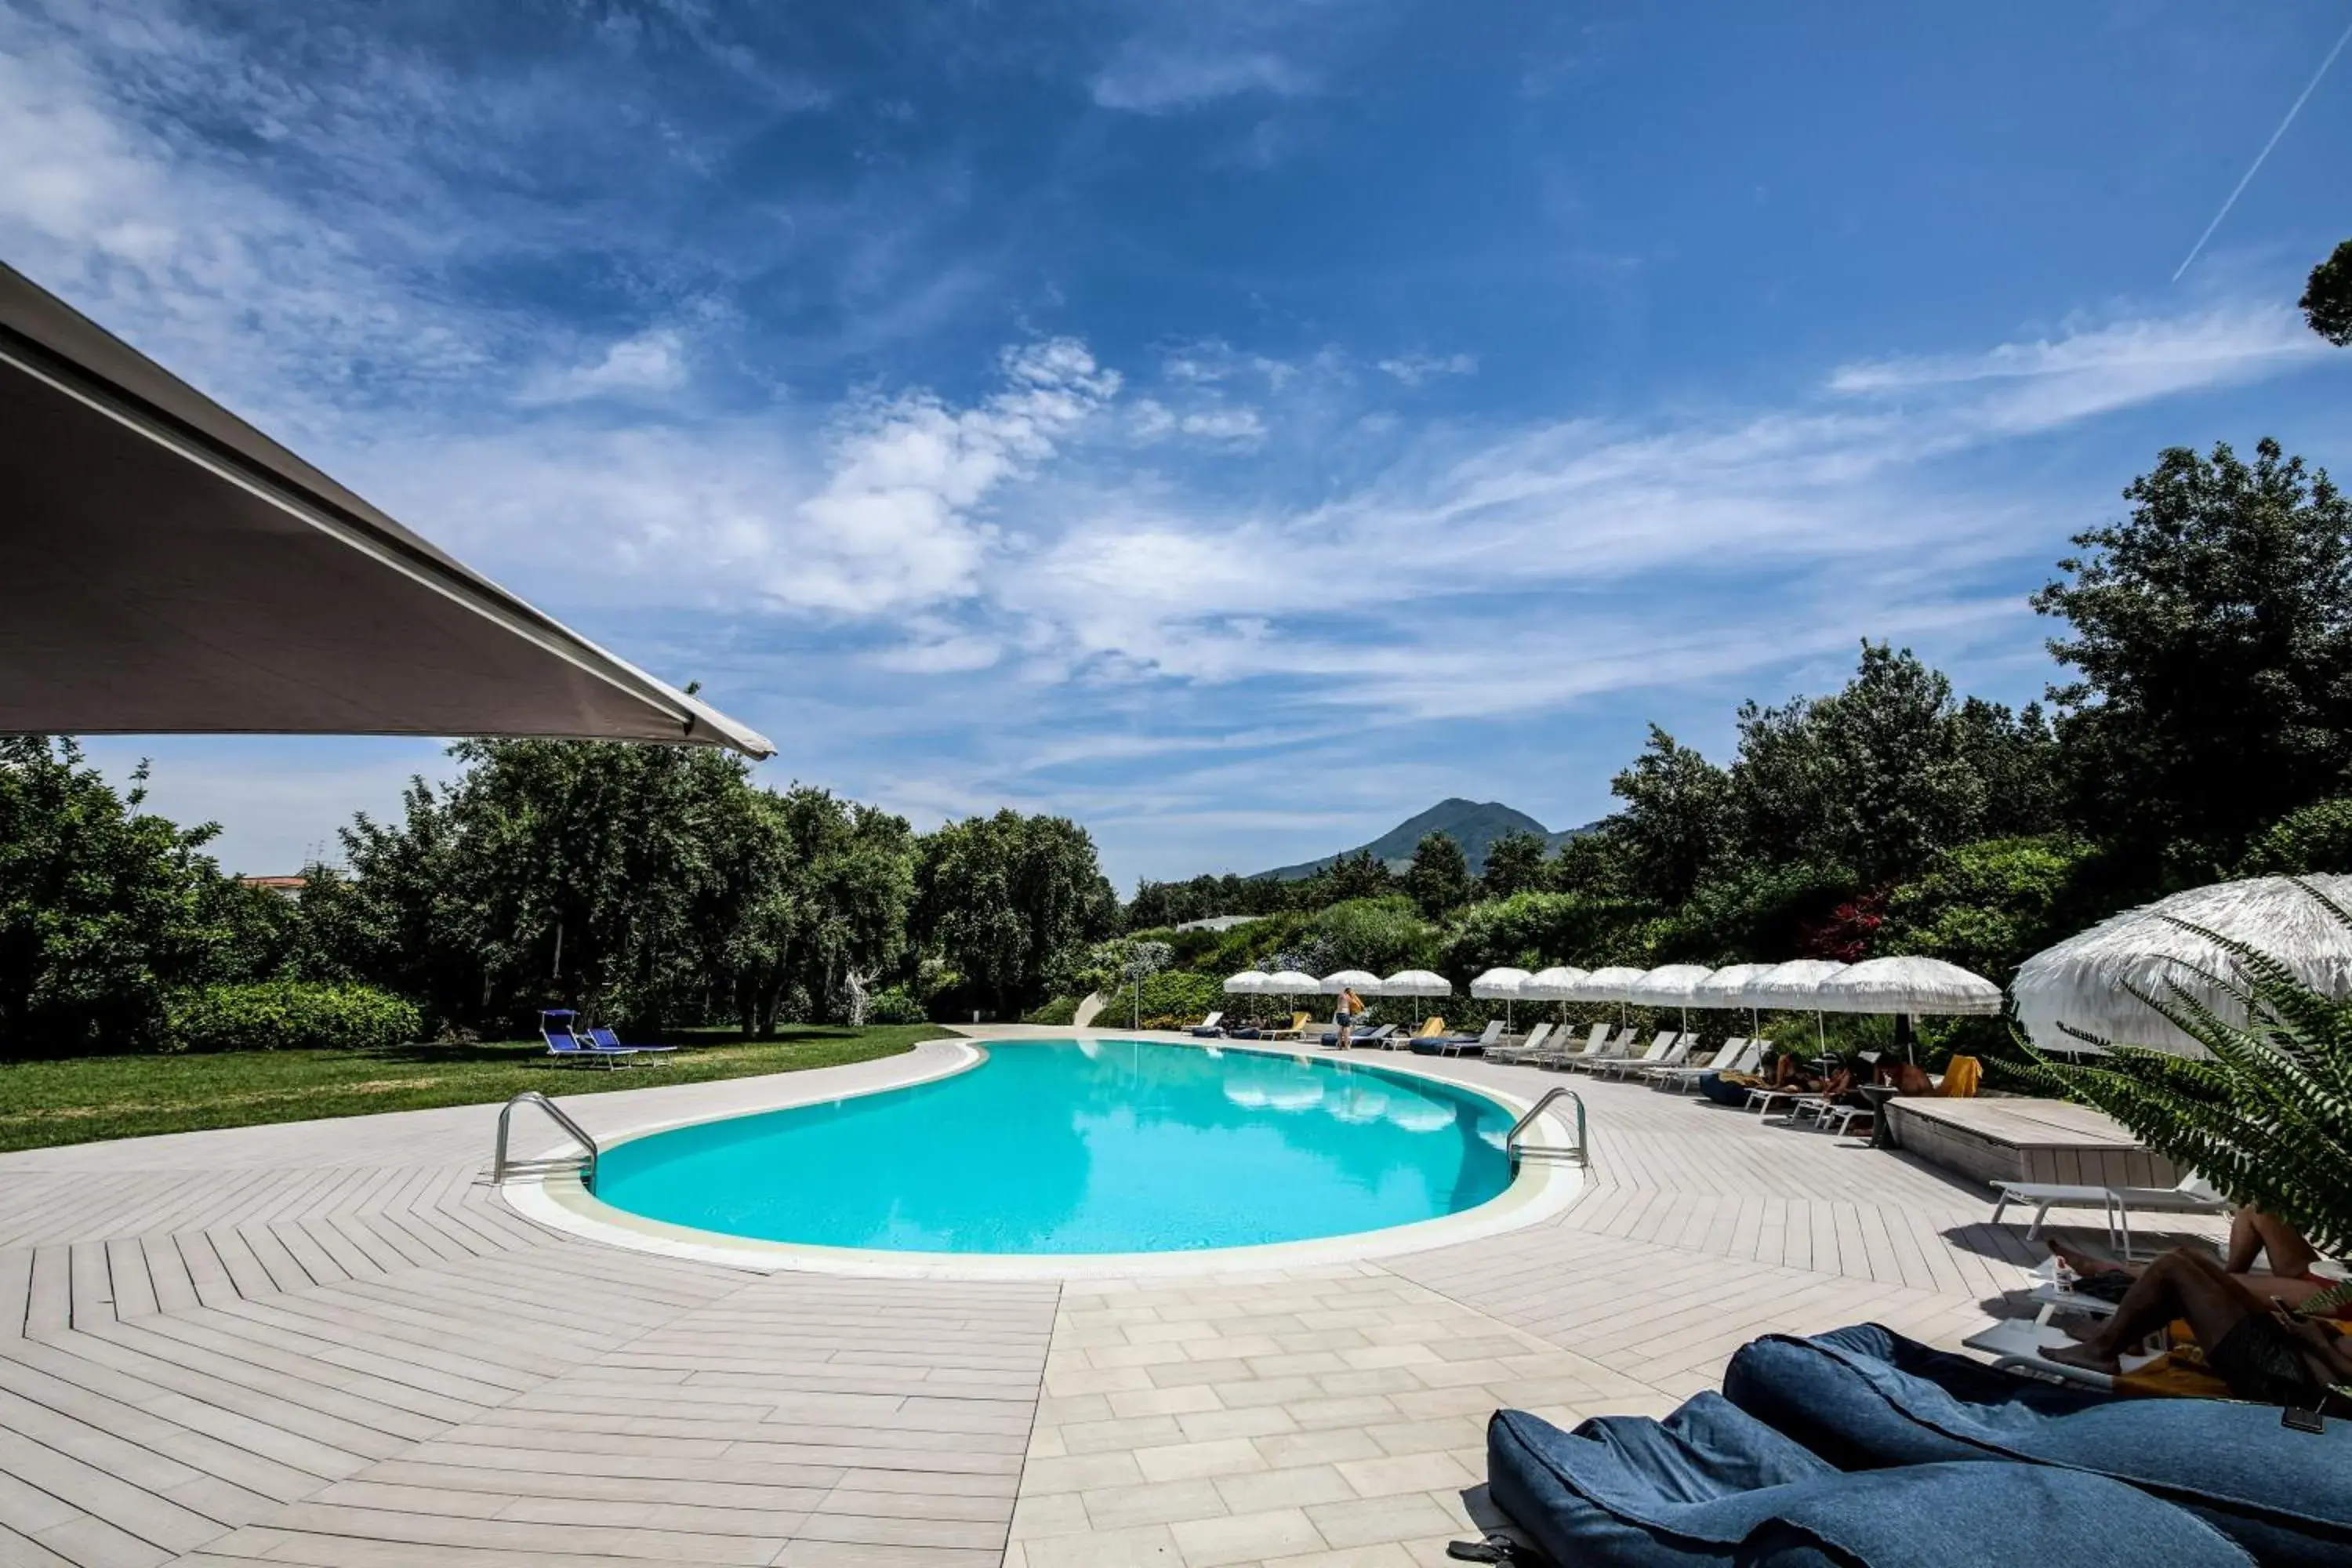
(85, 1098)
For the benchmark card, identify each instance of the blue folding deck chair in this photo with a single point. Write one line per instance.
(607, 1040)
(555, 1029)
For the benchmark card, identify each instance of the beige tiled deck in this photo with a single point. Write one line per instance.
(331, 1344)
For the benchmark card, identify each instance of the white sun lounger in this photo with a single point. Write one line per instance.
(2193, 1195)
(1664, 1051)
(1616, 1047)
(1529, 1047)
(1716, 1060)
(1560, 1052)
(1745, 1059)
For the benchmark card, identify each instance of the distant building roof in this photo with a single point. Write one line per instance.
(290, 886)
(1219, 922)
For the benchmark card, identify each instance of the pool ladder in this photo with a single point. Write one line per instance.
(1575, 1155)
(501, 1167)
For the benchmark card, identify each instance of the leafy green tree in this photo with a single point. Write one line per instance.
(1677, 820)
(104, 908)
(1515, 864)
(1005, 898)
(1990, 905)
(1881, 776)
(1534, 931)
(1438, 879)
(2316, 838)
(1382, 935)
(2212, 643)
(2327, 297)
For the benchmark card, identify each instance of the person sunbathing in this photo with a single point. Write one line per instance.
(2260, 1347)
(2289, 1280)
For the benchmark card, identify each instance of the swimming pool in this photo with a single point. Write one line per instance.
(1060, 1147)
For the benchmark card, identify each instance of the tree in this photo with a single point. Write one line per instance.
(1515, 864)
(1382, 935)
(1007, 898)
(2328, 297)
(1438, 879)
(1881, 776)
(2212, 641)
(1675, 822)
(104, 908)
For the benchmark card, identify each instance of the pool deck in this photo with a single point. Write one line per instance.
(333, 1343)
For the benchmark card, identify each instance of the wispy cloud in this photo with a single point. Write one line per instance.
(652, 361)
(1415, 369)
(1149, 82)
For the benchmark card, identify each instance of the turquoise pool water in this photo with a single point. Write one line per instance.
(1055, 1146)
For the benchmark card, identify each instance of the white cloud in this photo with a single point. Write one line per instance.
(1415, 369)
(1144, 80)
(652, 361)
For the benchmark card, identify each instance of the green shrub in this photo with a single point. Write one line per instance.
(1056, 1010)
(893, 1004)
(2316, 838)
(289, 1015)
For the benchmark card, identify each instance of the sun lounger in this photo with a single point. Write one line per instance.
(555, 1029)
(1662, 1052)
(1432, 1028)
(1363, 1036)
(2193, 1195)
(1297, 1029)
(1210, 1027)
(1530, 1046)
(1565, 1047)
(1655, 1071)
(1712, 1485)
(1620, 1044)
(1868, 1400)
(1737, 1056)
(607, 1040)
(1458, 1045)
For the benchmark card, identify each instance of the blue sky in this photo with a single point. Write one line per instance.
(1234, 425)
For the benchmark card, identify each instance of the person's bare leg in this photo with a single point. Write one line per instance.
(2290, 1255)
(2180, 1284)
(2087, 1260)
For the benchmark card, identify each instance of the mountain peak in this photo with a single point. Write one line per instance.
(1474, 824)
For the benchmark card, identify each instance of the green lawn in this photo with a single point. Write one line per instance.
(89, 1098)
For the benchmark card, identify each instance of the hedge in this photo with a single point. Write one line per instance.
(289, 1015)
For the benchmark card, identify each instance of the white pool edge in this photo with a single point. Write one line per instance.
(1542, 1191)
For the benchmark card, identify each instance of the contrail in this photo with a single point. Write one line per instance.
(2266, 153)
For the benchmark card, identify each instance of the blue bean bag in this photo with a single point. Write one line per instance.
(1712, 1485)
(1715, 1088)
(1864, 1398)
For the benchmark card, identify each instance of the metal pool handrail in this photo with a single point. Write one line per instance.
(501, 1167)
(1542, 1152)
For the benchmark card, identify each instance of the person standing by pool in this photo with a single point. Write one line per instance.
(1351, 1007)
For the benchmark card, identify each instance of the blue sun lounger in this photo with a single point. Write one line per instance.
(555, 1029)
(608, 1041)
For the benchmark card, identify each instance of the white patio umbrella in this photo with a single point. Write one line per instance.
(1416, 982)
(1607, 984)
(1668, 985)
(1248, 983)
(1905, 987)
(1794, 987)
(1554, 985)
(2087, 980)
(1727, 987)
(1290, 984)
(1362, 981)
(1504, 985)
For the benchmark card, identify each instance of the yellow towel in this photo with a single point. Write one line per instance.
(1961, 1076)
(1433, 1027)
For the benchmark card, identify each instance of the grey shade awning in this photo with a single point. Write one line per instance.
(167, 569)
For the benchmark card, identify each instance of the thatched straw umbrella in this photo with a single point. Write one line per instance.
(2086, 981)
(1556, 983)
(1727, 987)
(1794, 986)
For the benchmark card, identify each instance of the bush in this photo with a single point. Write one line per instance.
(289, 1015)
(2316, 838)
(1055, 1010)
(893, 1004)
